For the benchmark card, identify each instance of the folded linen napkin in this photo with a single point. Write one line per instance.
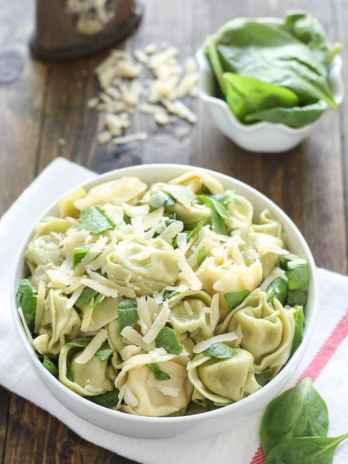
(325, 361)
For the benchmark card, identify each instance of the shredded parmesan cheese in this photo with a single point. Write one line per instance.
(91, 349)
(100, 288)
(205, 344)
(128, 351)
(134, 337)
(214, 312)
(277, 272)
(74, 297)
(187, 273)
(158, 324)
(125, 87)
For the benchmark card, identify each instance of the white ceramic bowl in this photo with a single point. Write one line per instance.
(228, 417)
(263, 136)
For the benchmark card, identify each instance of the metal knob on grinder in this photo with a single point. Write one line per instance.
(73, 28)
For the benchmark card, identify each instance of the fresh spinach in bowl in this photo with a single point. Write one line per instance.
(274, 71)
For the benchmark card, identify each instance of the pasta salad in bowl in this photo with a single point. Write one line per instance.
(164, 296)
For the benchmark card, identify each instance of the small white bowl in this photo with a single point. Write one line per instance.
(263, 136)
(209, 423)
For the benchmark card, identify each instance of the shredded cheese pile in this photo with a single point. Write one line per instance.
(150, 81)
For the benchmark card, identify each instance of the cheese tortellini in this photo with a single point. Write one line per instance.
(224, 380)
(157, 299)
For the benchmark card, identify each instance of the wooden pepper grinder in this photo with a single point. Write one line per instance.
(73, 28)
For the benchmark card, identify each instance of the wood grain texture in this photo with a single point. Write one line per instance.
(21, 108)
(45, 114)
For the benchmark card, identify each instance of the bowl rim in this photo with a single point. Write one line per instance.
(137, 170)
(335, 75)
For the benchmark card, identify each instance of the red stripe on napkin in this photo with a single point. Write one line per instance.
(317, 365)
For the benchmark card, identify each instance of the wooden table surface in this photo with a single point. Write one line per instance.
(48, 103)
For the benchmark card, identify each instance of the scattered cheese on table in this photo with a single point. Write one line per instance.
(151, 81)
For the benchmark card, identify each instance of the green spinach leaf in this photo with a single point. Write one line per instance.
(219, 212)
(278, 289)
(220, 351)
(27, 299)
(81, 342)
(247, 95)
(298, 412)
(50, 365)
(78, 254)
(158, 372)
(108, 400)
(234, 299)
(265, 377)
(193, 233)
(309, 31)
(202, 253)
(127, 313)
(168, 294)
(86, 296)
(275, 72)
(297, 297)
(215, 62)
(168, 340)
(270, 53)
(299, 328)
(104, 352)
(305, 450)
(295, 117)
(298, 274)
(95, 220)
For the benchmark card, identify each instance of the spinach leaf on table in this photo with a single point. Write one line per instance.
(298, 412)
(305, 450)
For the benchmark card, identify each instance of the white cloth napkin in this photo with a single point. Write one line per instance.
(235, 447)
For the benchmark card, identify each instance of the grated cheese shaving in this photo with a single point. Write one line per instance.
(128, 351)
(134, 337)
(100, 288)
(187, 273)
(90, 350)
(158, 324)
(122, 76)
(214, 312)
(205, 344)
